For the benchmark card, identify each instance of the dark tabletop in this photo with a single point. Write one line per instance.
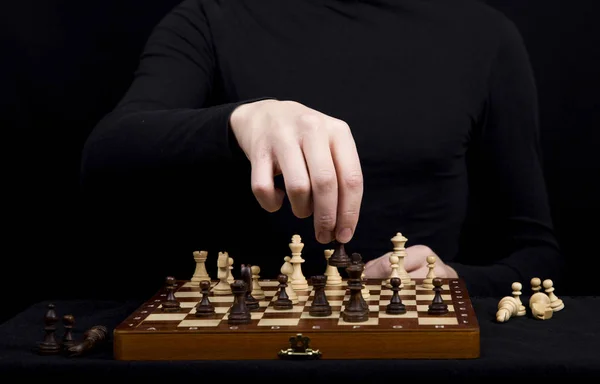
(567, 345)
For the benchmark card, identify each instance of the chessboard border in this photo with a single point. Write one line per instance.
(256, 344)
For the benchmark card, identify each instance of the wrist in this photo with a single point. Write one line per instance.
(242, 113)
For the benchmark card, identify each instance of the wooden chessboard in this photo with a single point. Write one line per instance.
(151, 334)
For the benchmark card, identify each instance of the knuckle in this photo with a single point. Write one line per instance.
(340, 126)
(353, 180)
(260, 188)
(324, 181)
(325, 222)
(298, 186)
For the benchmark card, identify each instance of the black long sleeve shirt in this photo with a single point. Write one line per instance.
(439, 95)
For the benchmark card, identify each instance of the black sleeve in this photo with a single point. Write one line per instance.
(511, 181)
(165, 121)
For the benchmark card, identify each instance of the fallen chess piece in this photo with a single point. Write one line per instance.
(92, 339)
(508, 307)
(539, 303)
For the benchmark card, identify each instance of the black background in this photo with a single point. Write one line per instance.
(66, 63)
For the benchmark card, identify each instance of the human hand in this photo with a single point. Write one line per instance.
(415, 263)
(315, 153)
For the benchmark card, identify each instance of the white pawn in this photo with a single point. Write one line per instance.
(508, 307)
(333, 274)
(288, 269)
(517, 287)
(428, 281)
(555, 303)
(394, 263)
(536, 284)
(365, 291)
(230, 278)
(257, 290)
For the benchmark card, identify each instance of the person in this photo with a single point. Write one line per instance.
(363, 118)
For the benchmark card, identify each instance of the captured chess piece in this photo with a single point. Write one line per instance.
(68, 323)
(437, 306)
(395, 306)
(205, 307)
(536, 285)
(517, 287)
(92, 338)
(356, 309)
(282, 301)
(555, 303)
(320, 306)
(508, 307)
(49, 346)
(170, 304)
(239, 312)
(539, 303)
(339, 258)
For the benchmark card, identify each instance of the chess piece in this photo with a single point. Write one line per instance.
(508, 307)
(68, 323)
(223, 287)
(49, 346)
(437, 306)
(355, 310)
(246, 276)
(200, 272)
(394, 264)
(395, 306)
(339, 258)
(257, 290)
(399, 242)
(365, 291)
(356, 259)
(428, 281)
(230, 278)
(320, 306)
(205, 307)
(333, 274)
(555, 303)
(93, 338)
(517, 287)
(283, 301)
(288, 269)
(239, 312)
(536, 285)
(298, 280)
(170, 304)
(539, 303)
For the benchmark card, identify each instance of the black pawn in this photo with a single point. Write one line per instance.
(239, 312)
(356, 310)
(246, 275)
(437, 306)
(283, 300)
(395, 307)
(170, 304)
(320, 306)
(205, 307)
(339, 258)
(68, 323)
(49, 346)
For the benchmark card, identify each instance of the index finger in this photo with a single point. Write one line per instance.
(350, 180)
